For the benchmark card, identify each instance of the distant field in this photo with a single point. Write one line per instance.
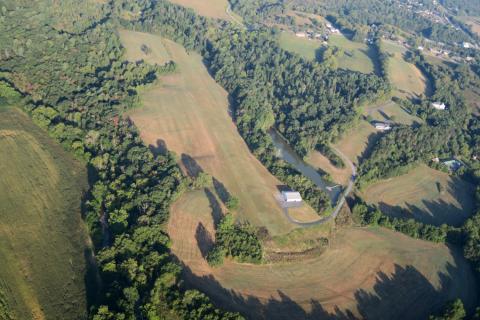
(406, 78)
(158, 53)
(188, 112)
(419, 193)
(357, 56)
(309, 49)
(473, 22)
(42, 236)
(390, 111)
(209, 8)
(372, 273)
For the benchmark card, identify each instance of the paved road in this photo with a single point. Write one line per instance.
(340, 202)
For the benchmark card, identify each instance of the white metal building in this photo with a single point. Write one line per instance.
(291, 196)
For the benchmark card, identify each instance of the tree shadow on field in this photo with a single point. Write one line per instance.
(204, 239)
(221, 190)
(160, 148)
(437, 212)
(217, 212)
(403, 294)
(191, 165)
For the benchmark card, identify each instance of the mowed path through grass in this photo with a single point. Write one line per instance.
(42, 236)
(188, 112)
(425, 194)
(372, 273)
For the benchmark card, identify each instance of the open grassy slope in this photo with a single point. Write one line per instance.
(209, 8)
(405, 77)
(188, 113)
(309, 49)
(370, 273)
(428, 195)
(42, 236)
(357, 56)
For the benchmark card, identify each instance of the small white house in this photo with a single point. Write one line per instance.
(467, 45)
(438, 105)
(291, 196)
(382, 126)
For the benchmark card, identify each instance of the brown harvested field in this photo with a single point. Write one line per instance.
(318, 160)
(420, 194)
(366, 273)
(209, 8)
(188, 113)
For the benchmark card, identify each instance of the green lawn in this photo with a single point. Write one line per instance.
(309, 49)
(357, 56)
(43, 240)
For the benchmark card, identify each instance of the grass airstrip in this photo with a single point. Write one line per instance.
(188, 112)
(366, 272)
(42, 236)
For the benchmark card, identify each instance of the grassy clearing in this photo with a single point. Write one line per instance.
(390, 111)
(309, 49)
(373, 273)
(427, 195)
(209, 8)
(407, 79)
(358, 56)
(188, 113)
(42, 236)
(158, 52)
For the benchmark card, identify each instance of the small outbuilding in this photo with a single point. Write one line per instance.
(291, 196)
(382, 126)
(439, 105)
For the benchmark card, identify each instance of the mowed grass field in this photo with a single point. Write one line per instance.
(370, 273)
(427, 195)
(406, 78)
(188, 113)
(42, 236)
(209, 8)
(309, 49)
(357, 56)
